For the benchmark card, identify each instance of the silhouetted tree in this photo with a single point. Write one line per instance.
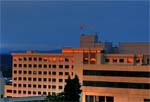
(72, 89)
(71, 92)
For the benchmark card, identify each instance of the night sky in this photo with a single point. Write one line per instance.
(47, 25)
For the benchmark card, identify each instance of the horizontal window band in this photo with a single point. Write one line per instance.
(117, 84)
(116, 73)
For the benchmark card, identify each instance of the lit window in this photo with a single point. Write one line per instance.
(45, 58)
(61, 59)
(54, 59)
(130, 60)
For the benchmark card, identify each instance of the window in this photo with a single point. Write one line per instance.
(49, 66)
(66, 73)
(39, 86)
(15, 72)
(53, 80)
(25, 65)
(60, 73)
(114, 60)
(60, 66)
(60, 80)
(35, 59)
(34, 72)
(29, 85)
(107, 60)
(19, 92)
(53, 87)
(24, 85)
(109, 99)
(34, 65)
(9, 91)
(53, 73)
(45, 79)
(20, 78)
(45, 66)
(49, 93)
(44, 93)
(24, 78)
(20, 65)
(20, 59)
(39, 93)
(72, 66)
(25, 59)
(49, 79)
(148, 61)
(49, 86)
(15, 65)
(121, 60)
(39, 79)
(30, 65)
(101, 98)
(24, 92)
(146, 100)
(40, 59)
(34, 79)
(44, 86)
(54, 66)
(19, 85)
(66, 60)
(53, 93)
(14, 91)
(29, 92)
(34, 86)
(49, 73)
(130, 60)
(29, 72)
(137, 60)
(45, 72)
(34, 92)
(15, 78)
(40, 72)
(20, 72)
(40, 66)
(24, 72)
(66, 66)
(29, 79)
(60, 87)
(30, 59)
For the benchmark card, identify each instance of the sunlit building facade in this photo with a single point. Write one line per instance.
(106, 73)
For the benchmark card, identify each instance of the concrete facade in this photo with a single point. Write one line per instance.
(104, 76)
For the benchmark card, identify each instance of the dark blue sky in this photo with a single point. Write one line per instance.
(46, 25)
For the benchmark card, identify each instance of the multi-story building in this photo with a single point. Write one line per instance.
(106, 74)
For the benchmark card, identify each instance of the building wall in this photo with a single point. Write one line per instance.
(135, 48)
(120, 94)
(2, 84)
(40, 77)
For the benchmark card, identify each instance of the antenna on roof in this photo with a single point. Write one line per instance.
(89, 27)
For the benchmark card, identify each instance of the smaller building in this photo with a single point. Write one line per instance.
(2, 84)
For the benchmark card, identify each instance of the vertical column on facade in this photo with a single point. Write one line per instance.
(83, 97)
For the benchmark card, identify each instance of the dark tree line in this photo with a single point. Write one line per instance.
(71, 92)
